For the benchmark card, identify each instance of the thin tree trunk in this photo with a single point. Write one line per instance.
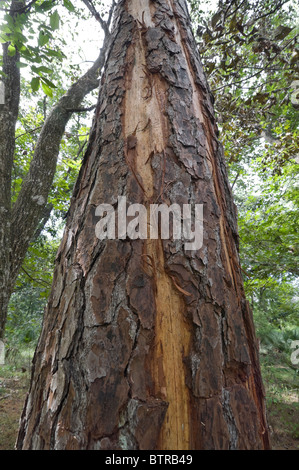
(18, 223)
(145, 345)
(8, 119)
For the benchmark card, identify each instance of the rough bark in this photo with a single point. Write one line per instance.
(8, 119)
(145, 345)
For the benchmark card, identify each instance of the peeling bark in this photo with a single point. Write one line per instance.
(144, 345)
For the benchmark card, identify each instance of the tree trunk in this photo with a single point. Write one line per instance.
(18, 223)
(8, 118)
(146, 345)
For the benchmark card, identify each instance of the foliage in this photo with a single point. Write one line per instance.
(38, 33)
(250, 54)
(37, 270)
(32, 33)
(36, 273)
(33, 112)
(34, 281)
(31, 292)
(278, 302)
(268, 221)
(25, 317)
(33, 40)
(269, 243)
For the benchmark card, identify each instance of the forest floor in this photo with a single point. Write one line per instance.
(281, 385)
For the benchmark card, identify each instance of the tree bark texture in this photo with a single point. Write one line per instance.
(145, 345)
(8, 118)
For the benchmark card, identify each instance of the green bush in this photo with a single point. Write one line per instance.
(24, 317)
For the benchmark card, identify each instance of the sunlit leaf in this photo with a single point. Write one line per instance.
(46, 89)
(68, 4)
(55, 20)
(11, 50)
(35, 83)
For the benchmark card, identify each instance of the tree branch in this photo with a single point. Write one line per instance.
(8, 118)
(111, 13)
(27, 210)
(22, 9)
(234, 11)
(235, 180)
(39, 281)
(28, 132)
(271, 12)
(45, 217)
(97, 16)
(27, 7)
(81, 110)
(267, 67)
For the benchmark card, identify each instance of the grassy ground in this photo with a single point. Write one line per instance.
(281, 383)
(12, 395)
(14, 383)
(280, 380)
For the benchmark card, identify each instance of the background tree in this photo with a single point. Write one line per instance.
(24, 207)
(144, 345)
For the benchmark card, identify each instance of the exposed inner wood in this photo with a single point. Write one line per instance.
(172, 341)
(145, 121)
(172, 334)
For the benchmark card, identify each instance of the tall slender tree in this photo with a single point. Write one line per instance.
(146, 345)
(19, 221)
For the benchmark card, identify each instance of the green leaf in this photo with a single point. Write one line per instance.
(240, 28)
(47, 90)
(35, 83)
(11, 50)
(261, 97)
(54, 20)
(48, 82)
(53, 53)
(68, 4)
(45, 6)
(20, 37)
(233, 24)
(6, 29)
(210, 67)
(41, 69)
(206, 37)
(3, 39)
(43, 39)
(21, 65)
(73, 163)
